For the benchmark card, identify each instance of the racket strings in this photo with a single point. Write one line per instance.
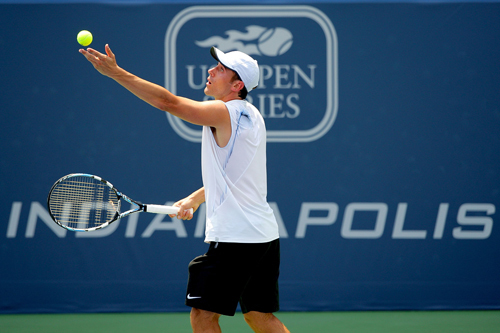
(83, 202)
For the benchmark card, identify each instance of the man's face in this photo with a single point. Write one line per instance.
(219, 82)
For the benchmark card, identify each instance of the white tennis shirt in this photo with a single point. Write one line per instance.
(235, 180)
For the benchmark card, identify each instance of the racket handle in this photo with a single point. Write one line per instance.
(160, 209)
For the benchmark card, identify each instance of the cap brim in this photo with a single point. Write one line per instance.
(218, 54)
(213, 52)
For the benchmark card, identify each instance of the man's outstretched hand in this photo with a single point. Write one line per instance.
(103, 63)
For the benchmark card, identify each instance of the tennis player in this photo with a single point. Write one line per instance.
(243, 258)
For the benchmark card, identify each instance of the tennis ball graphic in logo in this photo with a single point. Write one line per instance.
(275, 41)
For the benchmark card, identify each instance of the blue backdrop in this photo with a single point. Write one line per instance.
(383, 153)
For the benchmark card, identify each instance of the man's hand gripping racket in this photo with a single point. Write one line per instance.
(83, 202)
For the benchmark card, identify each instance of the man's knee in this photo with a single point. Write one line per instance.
(199, 315)
(257, 318)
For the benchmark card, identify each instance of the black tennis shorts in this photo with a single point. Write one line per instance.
(235, 272)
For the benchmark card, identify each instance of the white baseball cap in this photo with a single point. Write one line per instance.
(246, 67)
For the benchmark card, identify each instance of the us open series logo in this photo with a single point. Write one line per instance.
(296, 47)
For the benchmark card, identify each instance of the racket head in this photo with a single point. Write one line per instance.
(83, 202)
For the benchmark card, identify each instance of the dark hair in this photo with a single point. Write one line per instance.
(243, 92)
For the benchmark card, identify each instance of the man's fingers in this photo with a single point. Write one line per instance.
(104, 64)
(185, 214)
(109, 52)
(88, 56)
(95, 53)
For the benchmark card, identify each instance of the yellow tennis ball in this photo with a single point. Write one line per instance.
(84, 37)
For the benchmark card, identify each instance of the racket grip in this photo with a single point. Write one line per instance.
(160, 209)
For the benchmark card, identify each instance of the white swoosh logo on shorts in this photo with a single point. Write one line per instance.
(192, 297)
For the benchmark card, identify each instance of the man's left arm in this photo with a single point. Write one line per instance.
(208, 113)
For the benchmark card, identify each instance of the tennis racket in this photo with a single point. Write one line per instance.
(83, 202)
